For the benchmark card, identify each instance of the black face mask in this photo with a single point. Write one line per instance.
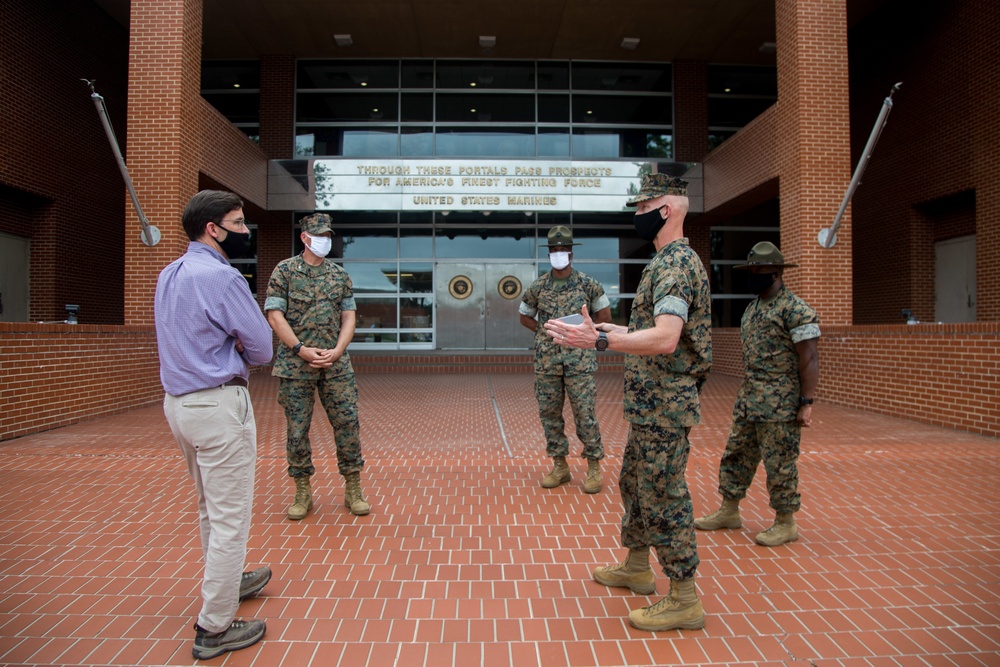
(759, 283)
(648, 224)
(235, 245)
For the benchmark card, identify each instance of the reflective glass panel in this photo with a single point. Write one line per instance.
(416, 142)
(553, 76)
(352, 107)
(375, 313)
(417, 74)
(417, 107)
(416, 313)
(230, 74)
(622, 109)
(553, 142)
(607, 274)
(484, 74)
(735, 112)
(483, 242)
(415, 278)
(416, 242)
(370, 143)
(487, 142)
(357, 74)
(237, 107)
(553, 108)
(623, 76)
(361, 242)
(368, 277)
(743, 80)
(488, 108)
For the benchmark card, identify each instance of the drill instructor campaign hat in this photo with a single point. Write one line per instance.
(560, 235)
(764, 254)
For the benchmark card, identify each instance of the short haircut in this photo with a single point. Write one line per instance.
(207, 206)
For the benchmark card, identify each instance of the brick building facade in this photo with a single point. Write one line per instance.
(933, 177)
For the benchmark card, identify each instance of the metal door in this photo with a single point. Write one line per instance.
(14, 257)
(505, 283)
(477, 306)
(955, 280)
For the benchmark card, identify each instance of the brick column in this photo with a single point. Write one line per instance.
(277, 106)
(985, 22)
(690, 110)
(814, 155)
(164, 137)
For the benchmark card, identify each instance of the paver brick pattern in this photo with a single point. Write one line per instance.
(466, 560)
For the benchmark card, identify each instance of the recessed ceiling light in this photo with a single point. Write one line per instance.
(343, 40)
(630, 43)
(236, 85)
(364, 83)
(487, 41)
(472, 84)
(768, 48)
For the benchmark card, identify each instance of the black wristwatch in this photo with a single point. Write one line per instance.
(803, 401)
(296, 348)
(601, 343)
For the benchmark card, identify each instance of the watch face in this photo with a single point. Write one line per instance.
(602, 342)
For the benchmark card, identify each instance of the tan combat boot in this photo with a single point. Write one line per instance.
(303, 499)
(782, 530)
(558, 475)
(727, 516)
(681, 609)
(593, 483)
(353, 498)
(634, 574)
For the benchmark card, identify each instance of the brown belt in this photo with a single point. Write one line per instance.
(235, 382)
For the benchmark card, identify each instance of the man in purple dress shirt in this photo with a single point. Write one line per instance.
(209, 330)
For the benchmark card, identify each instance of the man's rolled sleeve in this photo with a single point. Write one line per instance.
(804, 332)
(671, 305)
(276, 303)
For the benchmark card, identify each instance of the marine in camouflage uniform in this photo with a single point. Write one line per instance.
(310, 304)
(669, 354)
(565, 372)
(779, 332)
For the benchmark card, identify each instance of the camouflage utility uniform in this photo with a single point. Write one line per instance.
(661, 405)
(565, 370)
(312, 298)
(764, 417)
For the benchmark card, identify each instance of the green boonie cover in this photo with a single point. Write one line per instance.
(663, 389)
(769, 329)
(544, 300)
(312, 299)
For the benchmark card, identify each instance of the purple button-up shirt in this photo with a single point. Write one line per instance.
(202, 306)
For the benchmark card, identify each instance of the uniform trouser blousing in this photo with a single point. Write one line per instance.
(217, 434)
(550, 391)
(658, 510)
(777, 444)
(339, 397)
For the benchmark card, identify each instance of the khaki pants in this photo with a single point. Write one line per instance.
(217, 434)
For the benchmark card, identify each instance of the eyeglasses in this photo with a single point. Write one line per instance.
(238, 224)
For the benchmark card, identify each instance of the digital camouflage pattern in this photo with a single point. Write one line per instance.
(658, 509)
(770, 328)
(663, 389)
(777, 443)
(312, 298)
(339, 396)
(551, 390)
(764, 423)
(545, 300)
(565, 371)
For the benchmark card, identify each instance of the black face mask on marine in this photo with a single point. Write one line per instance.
(648, 224)
(758, 283)
(235, 245)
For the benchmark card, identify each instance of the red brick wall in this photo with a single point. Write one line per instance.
(59, 182)
(690, 110)
(942, 374)
(277, 106)
(60, 374)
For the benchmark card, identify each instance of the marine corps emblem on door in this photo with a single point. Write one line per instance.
(509, 287)
(460, 287)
